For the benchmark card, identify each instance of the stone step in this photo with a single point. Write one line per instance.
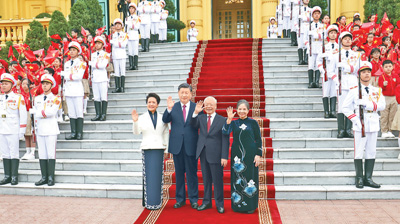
(170, 49)
(283, 73)
(86, 165)
(292, 57)
(295, 114)
(330, 165)
(167, 74)
(269, 41)
(270, 91)
(336, 192)
(110, 125)
(103, 135)
(127, 109)
(329, 142)
(161, 62)
(75, 190)
(290, 68)
(136, 102)
(304, 133)
(293, 99)
(144, 58)
(332, 178)
(84, 177)
(140, 97)
(286, 79)
(291, 85)
(330, 153)
(173, 45)
(93, 143)
(165, 65)
(167, 52)
(296, 106)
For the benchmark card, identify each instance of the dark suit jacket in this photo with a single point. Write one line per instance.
(181, 132)
(214, 142)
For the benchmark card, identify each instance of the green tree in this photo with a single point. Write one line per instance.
(79, 15)
(391, 7)
(43, 15)
(36, 36)
(172, 23)
(5, 49)
(321, 3)
(58, 24)
(169, 5)
(95, 15)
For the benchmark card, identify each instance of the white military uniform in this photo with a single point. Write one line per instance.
(285, 9)
(163, 25)
(294, 23)
(304, 27)
(155, 17)
(373, 101)
(279, 19)
(46, 125)
(317, 32)
(132, 26)
(119, 41)
(144, 11)
(272, 31)
(329, 88)
(192, 34)
(73, 88)
(13, 118)
(99, 64)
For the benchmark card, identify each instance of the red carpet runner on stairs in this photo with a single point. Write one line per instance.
(229, 70)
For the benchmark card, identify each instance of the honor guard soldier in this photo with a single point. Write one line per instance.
(285, 10)
(315, 48)
(99, 63)
(45, 113)
(132, 25)
(13, 117)
(294, 21)
(119, 41)
(370, 102)
(347, 68)
(330, 86)
(163, 23)
(192, 32)
(74, 70)
(272, 28)
(304, 26)
(155, 21)
(144, 11)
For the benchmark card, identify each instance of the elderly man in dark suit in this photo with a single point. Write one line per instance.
(182, 144)
(213, 150)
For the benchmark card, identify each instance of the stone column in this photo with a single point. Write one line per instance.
(195, 12)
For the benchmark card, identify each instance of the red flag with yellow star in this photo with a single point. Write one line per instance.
(30, 55)
(385, 20)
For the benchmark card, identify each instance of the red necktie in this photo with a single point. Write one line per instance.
(184, 113)
(208, 123)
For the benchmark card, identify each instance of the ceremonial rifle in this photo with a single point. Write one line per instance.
(323, 58)
(299, 21)
(340, 69)
(309, 36)
(32, 117)
(361, 107)
(291, 10)
(282, 10)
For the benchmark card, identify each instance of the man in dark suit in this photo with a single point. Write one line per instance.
(182, 144)
(213, 150)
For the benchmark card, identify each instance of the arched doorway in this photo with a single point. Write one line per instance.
(231, 19)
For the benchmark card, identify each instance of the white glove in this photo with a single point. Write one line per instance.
(356, 123)
(362, 102)
(63, 73)
(342, 65)
(321, 70)
(91, 63)
(32, 111)
(21, 136)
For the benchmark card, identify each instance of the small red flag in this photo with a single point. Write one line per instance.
(56, 37)
(83, 32)
(55, 45)
(385, 19)
(377, 41)
(68, 36)
(99, 31)
(387, 28)
(376, 18)
(32, 67)
(30, 55)
(10, 52)
(39, 52)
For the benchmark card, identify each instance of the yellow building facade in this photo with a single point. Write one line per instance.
(215, 19)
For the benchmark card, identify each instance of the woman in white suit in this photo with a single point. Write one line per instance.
(155, 140)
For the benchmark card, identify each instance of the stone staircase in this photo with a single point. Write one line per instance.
(108, 162)
(310, 163)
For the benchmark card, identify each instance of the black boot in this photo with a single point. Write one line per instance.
(79, 129)
(369, 169)
(340, 122)
(123, 84)
(97, 107)
(310, 78)
(117, 85)
(326, 107)
(7, 172)
(295, 38)
(284, 33)
(50, 172)
(300, 53)
(316, 79)
(130, 62)
(156, 38)
(148, 45)
(72, 123)
(151, 38)
(332, 114)
(135, 62)
(43, 170)
(292, 38)
(14, 171)
(348, 126)
(305, 57)
(104, 105)
(359, 173)
(143, 44)
(289, 33)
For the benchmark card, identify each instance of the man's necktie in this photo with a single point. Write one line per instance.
(316, 25)
(72, 62)
(184, 113)
(6, 96)
(208, 123)
(45, 97)
(347, 54)
(333, 46)
(366, 89)
(98, 53)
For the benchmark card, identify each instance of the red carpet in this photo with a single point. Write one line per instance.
(229, 70)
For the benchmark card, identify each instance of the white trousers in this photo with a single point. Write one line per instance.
(329, 88)
(312, 61)
(163, 34)
(47, 146)
(9, 145)
(367, 144)
(119, 67)
(100, 90)
(144, 31)
(302, 41)
(133, 47)
(341, 99)
(155, 28)
(75, 106)
(286, 23)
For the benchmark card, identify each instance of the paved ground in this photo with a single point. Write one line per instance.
(32, 209)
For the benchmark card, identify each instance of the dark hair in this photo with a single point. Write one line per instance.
(373, 51)
(240, 102)
(357, 18)
(37, 62)
(385, 38)
(339, 18)
(24, 59)
(75, 30)
(50, 70)
(186, 86)
(387, 62)
(360, 49)
(153, 95)
(84, 45)
(59, 59)
(326, 15)
(29, 81)
(14, 63)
